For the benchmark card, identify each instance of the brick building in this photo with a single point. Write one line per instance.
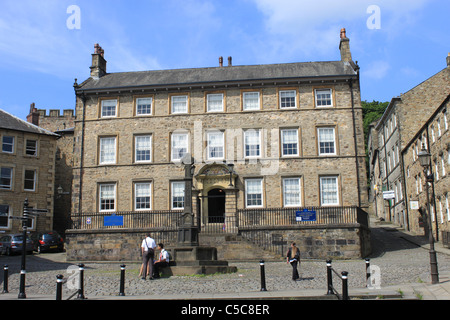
(390, 148)
(27, 163)
(264, 137)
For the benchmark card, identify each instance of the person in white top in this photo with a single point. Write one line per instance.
(148, 252)
(162, 262)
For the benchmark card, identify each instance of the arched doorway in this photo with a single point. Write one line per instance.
(216, 206)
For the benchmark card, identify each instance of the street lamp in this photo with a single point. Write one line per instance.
(230, 170)
(425, 161)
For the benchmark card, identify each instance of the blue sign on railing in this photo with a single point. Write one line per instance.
(305, 215)
(113, 221)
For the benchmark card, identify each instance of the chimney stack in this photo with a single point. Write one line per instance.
(98, 68)
(33, 117)
(220, 61)
(344, 47)
(230, 61)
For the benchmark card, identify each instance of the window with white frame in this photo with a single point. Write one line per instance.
(292, 192)
(250, 101)
(143, 148)
(324, 97)
(7, 144)
(445, 120)
(31, 148)
(253, 193)
(143, 196)
(215, 147)
(443, 165)
(107, 197)
(252, 143)
(441, 211)
(436, 169)
(177, 194)
(109, 108)
(438, 126)
(327, 141)
(447, 207)
(289, 142)
(214, 102)
(29, 183)
(288, 99)
(179, 144)
(433, 137)
(144, 106)
(329, 193)
(4, 215)
(6, 179)
(107, 150)
(179, 104)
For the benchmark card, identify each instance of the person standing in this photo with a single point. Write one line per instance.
(148, 252)
(162, 262)
(293, 257)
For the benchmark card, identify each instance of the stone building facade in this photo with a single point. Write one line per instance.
(27, 161)
(262, 136)
(401, 122)
(434, 138)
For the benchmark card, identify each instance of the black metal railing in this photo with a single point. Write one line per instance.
(251, 218)
(343, 276)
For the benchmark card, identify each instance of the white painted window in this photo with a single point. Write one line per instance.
(107, 197)
(214, 102)
(324, 98)
(143, 196)
(251, 101)
(180, 143)
(144, 106)
(143, 148)
(108, 150)
(329, 193)
(292, 192)
(288, 99)
(177, 188)
(29, 180)
(289, 141)
(179, 104)
(6, 178)
(252, 143)
(327, 141)
(254, 193)
(7, 144)
(215, 148)
(109, 108)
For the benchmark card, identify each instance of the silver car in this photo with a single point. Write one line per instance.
(12, 243)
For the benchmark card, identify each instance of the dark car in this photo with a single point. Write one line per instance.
(47, 241)
(12, 243)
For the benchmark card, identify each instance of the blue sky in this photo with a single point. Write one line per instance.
(40, 56)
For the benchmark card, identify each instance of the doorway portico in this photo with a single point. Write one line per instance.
(217, 197)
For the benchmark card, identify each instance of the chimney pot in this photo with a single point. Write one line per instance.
(220, 61)
(230, 61)
(343, 33)
(448, 60)
(344, 47)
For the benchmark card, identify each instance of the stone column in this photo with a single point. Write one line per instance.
(231, 210)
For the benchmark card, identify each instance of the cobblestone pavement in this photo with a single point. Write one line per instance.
(400, 261)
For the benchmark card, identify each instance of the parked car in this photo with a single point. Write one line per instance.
(47, 241)
(12, 243)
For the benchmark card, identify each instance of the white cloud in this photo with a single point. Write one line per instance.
(376, 70)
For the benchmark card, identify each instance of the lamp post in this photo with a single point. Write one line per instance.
(230, 170)
(425, 160)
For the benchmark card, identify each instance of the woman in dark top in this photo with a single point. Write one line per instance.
(293, 257)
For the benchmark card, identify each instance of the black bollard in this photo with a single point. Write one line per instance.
(263, 276)
(5, 279)
(122, 280)
(329, 278)
(81, 283)
(345, 285)
(367, 272)
(59, 283)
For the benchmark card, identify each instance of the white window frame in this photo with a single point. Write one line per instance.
(173, 147)
(147, 148)
(322, 91)
(447, 206)
(101, 198)
(8, 214)
(321, 139)
(104, 153)
(324, 202)
(141, 114)
(4, 186)
(294, 182)
(214, 102)
(261, 193)
(139, 192)
(288, 94)
(212, 146)
(12, 144)
(25, 179)
(177, 191)
(181, 106)
(297, 153)
(248, 102)
(33, 149)
(247, 136)
(109, 108)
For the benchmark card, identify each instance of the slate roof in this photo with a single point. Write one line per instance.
(226, 74)
(10, 122)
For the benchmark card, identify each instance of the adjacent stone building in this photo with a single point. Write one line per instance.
(27, 164)
(266, 139)
(390, 147)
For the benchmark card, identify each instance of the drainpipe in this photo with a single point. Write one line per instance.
(355, 142)
(83, 99)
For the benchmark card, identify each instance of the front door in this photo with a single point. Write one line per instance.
(216, 206)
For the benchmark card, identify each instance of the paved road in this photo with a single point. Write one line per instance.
(400, 259)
